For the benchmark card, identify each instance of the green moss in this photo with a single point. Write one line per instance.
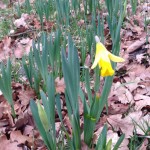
(5, 22)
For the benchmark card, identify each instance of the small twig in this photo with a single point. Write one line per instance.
(22, 33)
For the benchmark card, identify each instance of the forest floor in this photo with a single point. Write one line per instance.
(129, 99)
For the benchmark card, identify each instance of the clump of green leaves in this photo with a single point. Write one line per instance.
(5, 84)
(45, 115)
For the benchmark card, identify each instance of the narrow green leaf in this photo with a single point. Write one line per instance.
(109, 144)
(101, 144)
(119, 142)
(39, 125)
(87, 84)
(58, 105)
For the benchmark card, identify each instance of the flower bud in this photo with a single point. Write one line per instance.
(43, 116)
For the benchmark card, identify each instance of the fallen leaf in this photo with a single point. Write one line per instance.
(60, 85)
(23, 47)
(6, 107)
(141, 101)
(48, 25)
(84, 146)
(26, 95)
(137, 44)
(80, 107)
(124, 124)
(67, 124)
(141, 97)
(5, 48)
(132, 82)
(144, 145)
(21, 122)
(1, 111)
(8, 144)
(115, 106)
(81, 22)
(123, 94)
(140, 57)
(18, 138)
(18, 52)
(57, 127)
(4, 123)
(138, 69)
(21, 22)
(142, 90)
(28, 131)
(88, 60)
(2, 5)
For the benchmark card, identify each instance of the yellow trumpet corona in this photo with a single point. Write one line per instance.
(103, 57)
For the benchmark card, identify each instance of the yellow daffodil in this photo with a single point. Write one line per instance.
(103, 57)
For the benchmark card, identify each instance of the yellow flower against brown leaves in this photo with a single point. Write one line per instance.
(103, 59)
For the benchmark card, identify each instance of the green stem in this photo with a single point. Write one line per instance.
(13, 111)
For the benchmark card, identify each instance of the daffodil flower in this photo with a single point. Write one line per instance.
(103, 57)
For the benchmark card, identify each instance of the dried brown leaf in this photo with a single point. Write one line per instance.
(8, 144)
(144, 145)
(2, 5)
(21, 22)
(132, 81)
(123, 94)
(60, 85)
(137, 44)
(23, 47)
(115, 107)
(125, 124)
(26, 95)
(5, 48)
(141, 97)
(28, 130)
(141, 101)
(16, 136)
(84, 146)
(67, 123)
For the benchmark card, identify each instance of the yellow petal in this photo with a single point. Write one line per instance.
(100, 46)
(109, 72)
(101, 52)
(106, 68)
(115, 58)
(97, 58)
